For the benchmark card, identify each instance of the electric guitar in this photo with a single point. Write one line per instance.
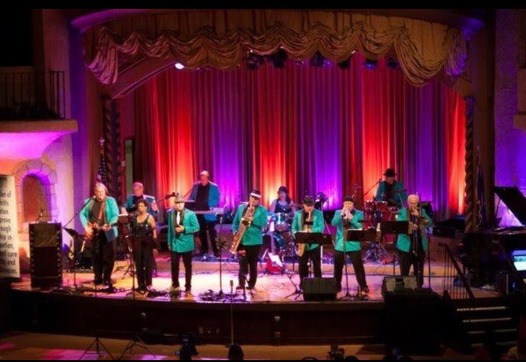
(95, 229)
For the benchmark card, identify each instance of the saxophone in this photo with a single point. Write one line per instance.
(245, 223)
(307, 227)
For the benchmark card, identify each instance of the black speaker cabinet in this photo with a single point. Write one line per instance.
(398, 283)
(45, 248)
(414, 321)
(316, 289)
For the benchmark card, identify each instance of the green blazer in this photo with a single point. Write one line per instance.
(318, 225)
(253, 234)
(337, 221)
(399, 193)
(183, 242)
(112, 216)
(404, 241)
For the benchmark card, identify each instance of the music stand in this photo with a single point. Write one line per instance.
(305, 237)
(394, 227)
(361, 234)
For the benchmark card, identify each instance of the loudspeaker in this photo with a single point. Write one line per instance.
(398, 283)
(45, 248)
(414, 321)
(316, 289)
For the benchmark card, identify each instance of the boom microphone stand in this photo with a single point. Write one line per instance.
(136, 339)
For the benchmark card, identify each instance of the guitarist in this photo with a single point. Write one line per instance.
(98, 218)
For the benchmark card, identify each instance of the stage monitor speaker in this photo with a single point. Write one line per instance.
(398, 283)
(317, 289)
(45, 247)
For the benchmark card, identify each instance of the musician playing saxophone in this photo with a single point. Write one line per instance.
(308, 219)
(412, 247)
(348, 218)
(252, 238)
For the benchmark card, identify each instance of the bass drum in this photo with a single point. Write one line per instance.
(279, 244)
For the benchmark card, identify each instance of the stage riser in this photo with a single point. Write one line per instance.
(269, 324)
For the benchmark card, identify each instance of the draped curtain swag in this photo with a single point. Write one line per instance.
(221, 39)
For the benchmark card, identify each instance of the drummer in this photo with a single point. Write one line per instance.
(283, 204)
(281, 212)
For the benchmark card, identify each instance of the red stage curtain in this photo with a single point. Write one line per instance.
(313, 129)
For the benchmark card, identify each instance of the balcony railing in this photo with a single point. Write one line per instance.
(28, 95)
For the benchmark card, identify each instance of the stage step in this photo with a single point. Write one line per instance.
(481, 315)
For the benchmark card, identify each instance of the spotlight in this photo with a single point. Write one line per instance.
(371, 64)
(235, 353)
(317, 60)
(179, 66)
(254, 61)
(187, 349)
(278, 59)
(392, 63)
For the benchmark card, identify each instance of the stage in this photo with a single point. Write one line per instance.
(270, 314)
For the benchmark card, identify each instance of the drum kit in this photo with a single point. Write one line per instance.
(376, 212)
(280, 234)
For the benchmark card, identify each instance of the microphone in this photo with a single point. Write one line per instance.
(170, 195)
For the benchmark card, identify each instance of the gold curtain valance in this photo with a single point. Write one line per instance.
(221, 38)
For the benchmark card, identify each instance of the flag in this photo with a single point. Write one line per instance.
(102, 175)
(482, 218)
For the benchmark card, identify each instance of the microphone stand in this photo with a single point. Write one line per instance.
(220, 245)
(135, 340)
(369, 190)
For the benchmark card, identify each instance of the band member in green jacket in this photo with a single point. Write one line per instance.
(308, 219)
(182, 224)
(247, 227)
(348, 218)
(412, 248)
(391, 190)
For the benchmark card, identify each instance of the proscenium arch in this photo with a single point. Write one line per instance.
(104, 30)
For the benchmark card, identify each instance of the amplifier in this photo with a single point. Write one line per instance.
(398, 283)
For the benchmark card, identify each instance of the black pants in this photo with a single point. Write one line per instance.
(207, 231)
(143, 258)
(417, 261)
(187, 261)
(103, 257)
(248, 264)
(357, 264)
(315, 258)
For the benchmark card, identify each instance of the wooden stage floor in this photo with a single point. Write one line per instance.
(271, 287)
(270, 314)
